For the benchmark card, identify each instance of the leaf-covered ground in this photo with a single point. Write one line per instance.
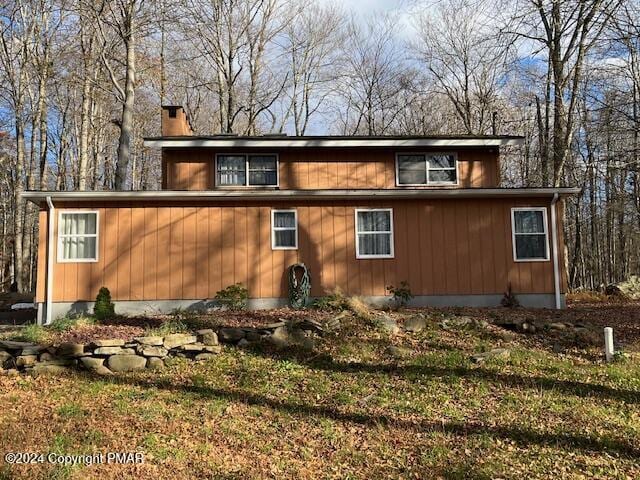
(345, 410)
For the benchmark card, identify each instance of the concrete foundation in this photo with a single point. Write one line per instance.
(154, 307)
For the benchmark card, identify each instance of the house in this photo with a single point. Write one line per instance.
(362, 213)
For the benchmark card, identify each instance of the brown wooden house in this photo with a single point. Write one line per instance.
(362, 213)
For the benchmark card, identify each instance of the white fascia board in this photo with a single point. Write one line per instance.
(329, 143)
(252, 195)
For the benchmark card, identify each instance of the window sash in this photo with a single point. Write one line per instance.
(75, 243)
(427, 169)
(522, 240)
(251, 173)
(277, 239)
(367, 238)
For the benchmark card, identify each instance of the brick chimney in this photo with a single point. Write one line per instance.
(175, 121)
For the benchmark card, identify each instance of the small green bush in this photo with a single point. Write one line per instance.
(336, 300)
(234, 297)
(400, 295)
(175, 324)
(32, 333)
(104, 307)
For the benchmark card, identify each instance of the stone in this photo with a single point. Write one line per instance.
(102, 371)
(12, 372)
(230, 335)
(243, 342)
(155, 363)
(280, 337)
(12, 345)
(399, 352)
(253, 336)
(58, 361)
(557, 326)
(192, 347)
(388, 324)
(26, 360)
(153, 340)
(526, 327)
(204, 331)
(114, 351)
(46, 357)
(415, 324)
(5, 359)
(205, 356)
(213, 348)
(462, 322)
(273, 326)
(178, 339)
(42, 369)
(109, 342)
(92, 363)
(126, 363)
(152, 351)
(210, 338)
(70, 350)
(32, 350)
(302, 338)
(500, 353)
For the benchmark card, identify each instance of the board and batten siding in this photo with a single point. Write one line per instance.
(193, 169)
(150, 251)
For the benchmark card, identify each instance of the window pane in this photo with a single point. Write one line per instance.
(263, 178)
(441, 161)
(284, 219)
(262, 162)
(374, 221)
(231, 170)
(441, 176)
(285, 238)
(529, 221)
(530, 246)
(79, 248)
(374, 244)
(408, 177)
(78, 223)
(411, 169)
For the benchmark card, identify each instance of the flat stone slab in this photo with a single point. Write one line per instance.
(70, 350)
(415, 324)
(204, 331)
(155, 363)
(11, 345)
(92, 362)
(126, 363)
(153, 351)
(231, 335)
(178, 339)
(153, 340)
(114, 351)
(109, 342)
(210, 338)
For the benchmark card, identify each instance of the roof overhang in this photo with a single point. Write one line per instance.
(330, 142)
(280, 195)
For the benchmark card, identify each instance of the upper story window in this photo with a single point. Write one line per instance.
(78, 236)
(247, 170)
(529, 234)
(427, 169)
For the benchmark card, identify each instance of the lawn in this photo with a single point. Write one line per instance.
(347, 409)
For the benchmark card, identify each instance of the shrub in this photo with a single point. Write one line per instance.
(338, 301)
(173, 325)
(509, 299)
(104, 307)
(234, 297)
(400, 295)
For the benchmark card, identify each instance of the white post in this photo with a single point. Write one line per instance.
(608, 344)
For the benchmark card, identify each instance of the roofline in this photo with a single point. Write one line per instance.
(330, 142)
(260, 195)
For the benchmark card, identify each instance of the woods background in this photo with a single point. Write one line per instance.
(81, 83)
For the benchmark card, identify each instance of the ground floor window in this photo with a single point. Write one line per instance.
(284, 230)
(374, 233)
(529, 232)
(78, 237)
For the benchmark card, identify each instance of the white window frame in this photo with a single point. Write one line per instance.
(274, 228)
(545, 233)
(427, 169)
(366, 256)
(246, 167)
(61, 259)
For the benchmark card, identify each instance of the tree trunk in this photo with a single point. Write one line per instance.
(126, 127)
